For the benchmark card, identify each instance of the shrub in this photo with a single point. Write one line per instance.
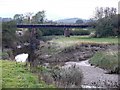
(70, 76)
(52, 31)
(107, 60)
(7, 54)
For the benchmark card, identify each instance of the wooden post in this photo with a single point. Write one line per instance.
(33, 45)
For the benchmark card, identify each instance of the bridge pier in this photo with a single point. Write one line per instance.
(67, 32)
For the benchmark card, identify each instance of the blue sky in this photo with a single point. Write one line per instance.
(55, 9)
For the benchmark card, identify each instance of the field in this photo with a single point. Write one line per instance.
(68, 41)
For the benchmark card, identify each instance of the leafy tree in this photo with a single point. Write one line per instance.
(18, 18)
(39, 17)
(28, 17)
(106, 23)
(8, 33)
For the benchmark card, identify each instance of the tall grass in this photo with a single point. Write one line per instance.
(107, 60)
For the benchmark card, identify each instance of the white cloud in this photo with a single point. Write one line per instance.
(55, 9)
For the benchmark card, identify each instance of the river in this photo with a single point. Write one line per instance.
(93, 76)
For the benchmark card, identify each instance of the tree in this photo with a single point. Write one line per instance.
(104, 12)
(105, 24)
(8, 33)
(28, 17)
(18, 18)
(39, 17)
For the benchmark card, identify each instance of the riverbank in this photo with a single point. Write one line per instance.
(53, 53)
(95, 76)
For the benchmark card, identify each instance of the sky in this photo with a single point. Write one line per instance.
(55, 9)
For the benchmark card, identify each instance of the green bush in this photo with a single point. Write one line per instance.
(8, 33)
(80, 32)
(5, 55)
(68, 76)
(52, 31)
(107, 60)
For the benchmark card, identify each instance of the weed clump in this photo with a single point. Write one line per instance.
(68, 76)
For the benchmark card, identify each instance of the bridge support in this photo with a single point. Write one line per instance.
(66, 32)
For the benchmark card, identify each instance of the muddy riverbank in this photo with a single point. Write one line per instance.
(79, 55)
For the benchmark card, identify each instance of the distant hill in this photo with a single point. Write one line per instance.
(6, 19)
(70, 20)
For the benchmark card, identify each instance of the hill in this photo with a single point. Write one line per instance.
(70, 20)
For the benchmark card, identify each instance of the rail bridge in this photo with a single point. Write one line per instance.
(53, 25)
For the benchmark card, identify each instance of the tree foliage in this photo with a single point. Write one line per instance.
(8, 33)
(39, 17)
(52, 31)
(107, 22)
(18, 18)
(80, 32)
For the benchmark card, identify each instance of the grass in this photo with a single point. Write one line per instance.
(69, 41)
(15, 75)
(0, 75)
(107, 60)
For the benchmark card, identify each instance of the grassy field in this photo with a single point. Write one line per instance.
(0, 75)
(15, 75)
(68, 41)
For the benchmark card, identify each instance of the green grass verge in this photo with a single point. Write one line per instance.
(106, 60)
(15, 75)
(0, 74)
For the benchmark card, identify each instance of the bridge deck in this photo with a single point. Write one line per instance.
(53, 25)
